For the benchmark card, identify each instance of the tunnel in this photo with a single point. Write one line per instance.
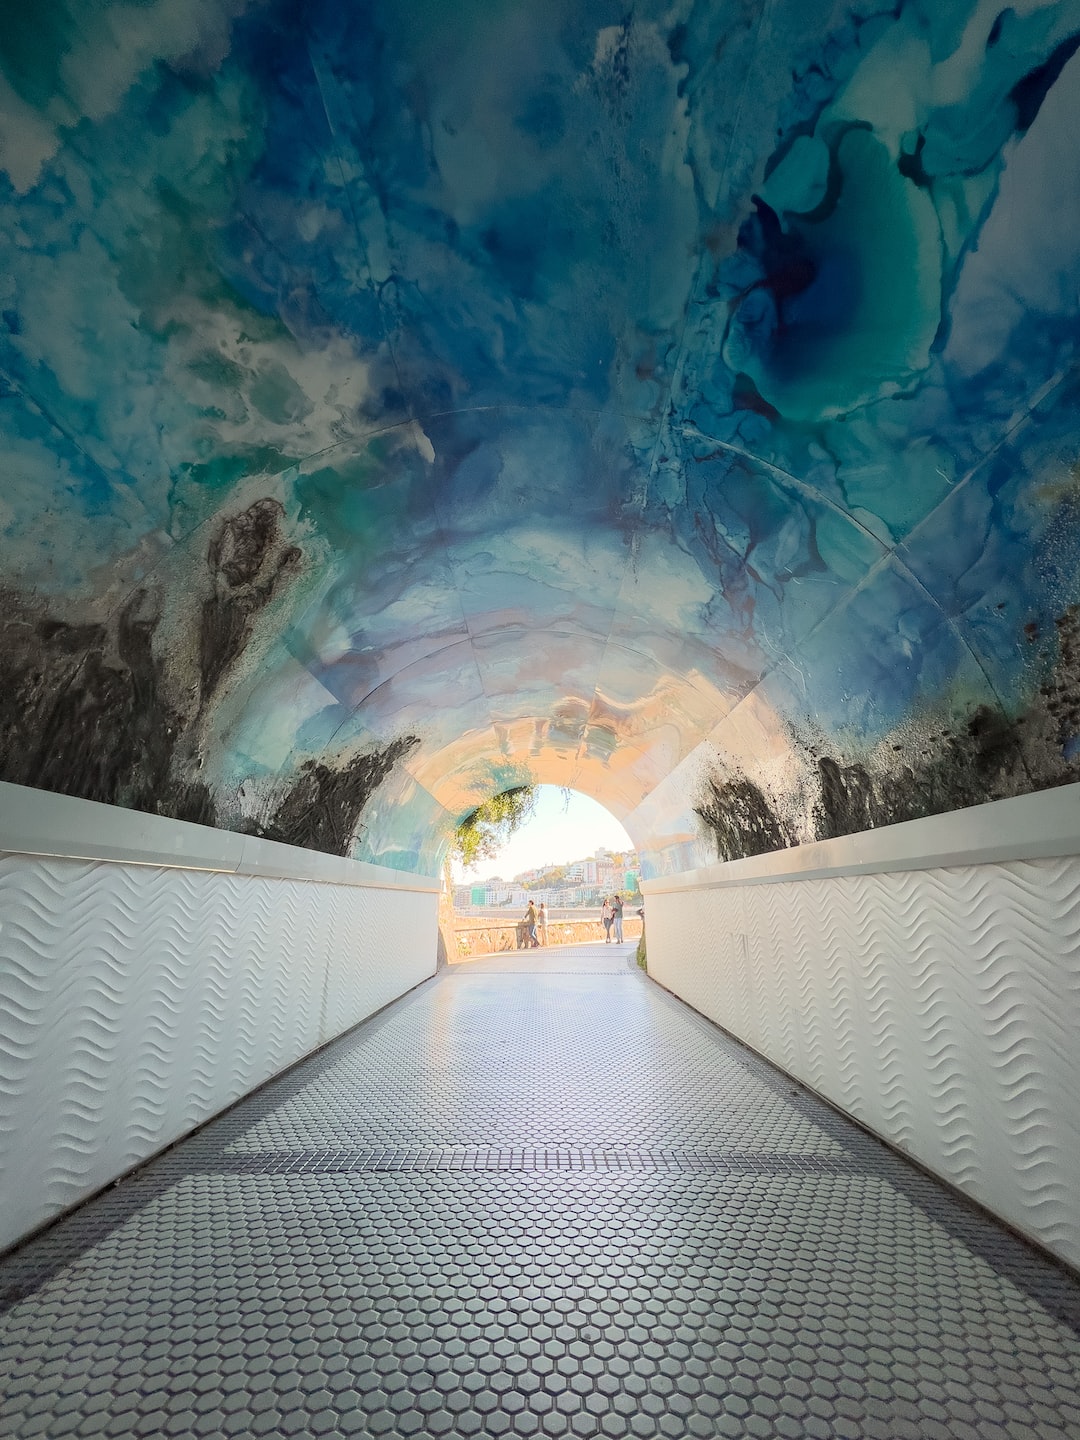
(677, 403)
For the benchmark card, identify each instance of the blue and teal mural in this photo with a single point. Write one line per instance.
(678, 402)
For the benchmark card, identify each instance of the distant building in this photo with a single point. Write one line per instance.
(581, 882)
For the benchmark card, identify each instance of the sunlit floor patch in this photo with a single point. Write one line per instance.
(592, 958)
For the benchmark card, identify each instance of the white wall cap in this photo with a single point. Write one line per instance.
(1029, 827)
(37, 822)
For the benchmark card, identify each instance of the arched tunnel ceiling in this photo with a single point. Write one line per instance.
(674, 401)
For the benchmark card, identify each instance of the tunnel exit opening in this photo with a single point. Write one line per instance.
(565, 875)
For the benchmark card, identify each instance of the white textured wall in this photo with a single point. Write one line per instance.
(135, 1002)
(939, 1007)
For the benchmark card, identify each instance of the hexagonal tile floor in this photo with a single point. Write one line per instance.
(535, 1198)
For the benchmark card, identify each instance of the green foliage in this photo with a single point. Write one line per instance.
(486, 829)
(641, 958)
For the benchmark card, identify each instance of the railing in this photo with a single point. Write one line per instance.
(496, 937)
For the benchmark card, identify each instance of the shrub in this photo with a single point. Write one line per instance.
(485, 830)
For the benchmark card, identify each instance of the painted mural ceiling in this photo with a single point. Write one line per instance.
(676, 401)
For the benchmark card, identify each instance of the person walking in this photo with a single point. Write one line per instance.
(616, 906)
(530, 921)
(607, 915)
(541, 922)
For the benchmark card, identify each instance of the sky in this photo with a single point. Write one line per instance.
(560, 830)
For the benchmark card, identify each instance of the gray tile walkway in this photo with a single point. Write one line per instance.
(538, 1197)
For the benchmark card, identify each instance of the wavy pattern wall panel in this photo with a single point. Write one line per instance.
(136, 1002)
(939, 1007)
(385, 942)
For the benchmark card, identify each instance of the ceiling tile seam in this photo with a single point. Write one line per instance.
(664, 411)
(380, 304)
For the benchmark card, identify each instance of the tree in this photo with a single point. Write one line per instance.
(485, 830)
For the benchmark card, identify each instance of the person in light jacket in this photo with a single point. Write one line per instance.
(616, 906)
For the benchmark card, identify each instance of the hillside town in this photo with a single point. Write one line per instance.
(577, 884)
